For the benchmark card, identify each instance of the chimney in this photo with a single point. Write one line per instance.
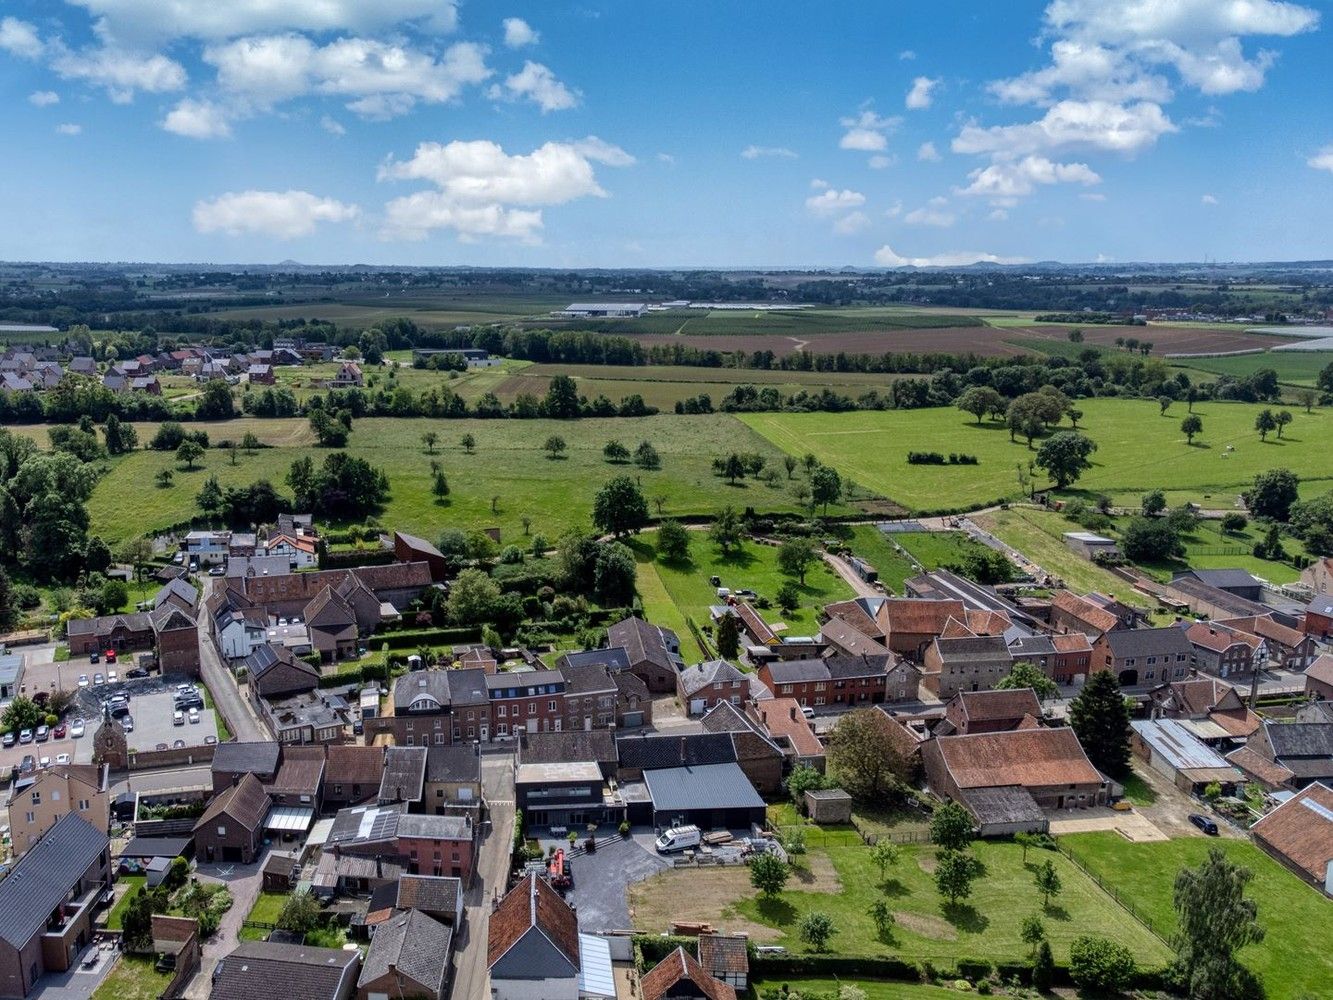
(792, 712)
(682, 749)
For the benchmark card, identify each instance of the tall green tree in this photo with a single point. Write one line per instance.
(815, 929)
(951, 827)
(1273, 493)
(1027, 675)
(562, 399)
(825, 486)
(866, 765)
(1265, 423)
(1047, 881)
(955, 871)
(1065, 456)
(209, 497)
(1191, 426)
(189, 452)
(768, 873)
(727, 637)
(673, 541)
(795, 556)
(1100, 719)
(619, 507)
(979, 400)
(726, 530)
(1216, 920)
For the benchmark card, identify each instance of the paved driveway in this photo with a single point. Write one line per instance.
(227, 698)
(244, 881)
(602, 881)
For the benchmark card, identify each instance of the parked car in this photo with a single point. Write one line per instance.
(25, 736)
(9, 739)
(110, 656)
(177, 744)
(28, 765)
(83, 680)
(43, 733)
(178, 718)
(127, 723)
(1204, 824)
(111, 676)
(135, 674)
(217, 571)
(178, 559)
(210, 741)
(76, 729)
(807, 711)
(99, 678)
(93, 657)
(160, 746)
(63, 758)
(194, 716)
(59, 732)
(44, 762)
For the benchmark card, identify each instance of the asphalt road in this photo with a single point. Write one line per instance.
(227, 698)
(470, 980)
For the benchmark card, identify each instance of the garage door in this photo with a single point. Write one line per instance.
(697, 706)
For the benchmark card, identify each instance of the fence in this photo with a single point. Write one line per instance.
(704, 644)
(1114, 893)
(847, 835)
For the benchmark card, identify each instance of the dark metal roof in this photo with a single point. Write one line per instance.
(261, 970)
(1003, 804)
(256, 758)
(708, 786)
(1223, 579)
(614, 658)
(156, 847)
(1300, 739)
(453, 763)
(643, 753)
(45, 875)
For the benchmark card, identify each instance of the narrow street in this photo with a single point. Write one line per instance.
(469, 979)
(227, 698)
(840, 567)
(244, 881)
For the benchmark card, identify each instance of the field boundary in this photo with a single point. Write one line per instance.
(1125, 904)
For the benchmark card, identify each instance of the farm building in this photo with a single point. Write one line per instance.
(1090, 545)
(603, 310)
(1169, 748)
(1299, 834)
(709, 796)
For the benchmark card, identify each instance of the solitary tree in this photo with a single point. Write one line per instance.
(951, 827)
(863, 760)
(615, 453)
(164, 478)
(789, 596)
(1065, 455)
(882, 915)
(1264, 423)
(954, 873)
(1190, 426)
(1306, 397)
(815, 929)
(768, 873)
(619, 507)
(1281, 418)
(646, 456)
(468, 442)
(1033, 932)
(733, 468)
(1075, 415)
(979, 400)
(884, 855)
(1216, 919)
(189, 452)
(1164, 403)
(1154, 502)
(1076, 336)
(726, 530)
(1025, 840)
(300, 913)
(795, 557)
(673, 541)
(554, 446)
(1100, 719)
(789, 463)
(440, 485)
(430, 439)
(825, 486)
(1047, 881)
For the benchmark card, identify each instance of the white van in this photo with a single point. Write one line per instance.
(678, 838)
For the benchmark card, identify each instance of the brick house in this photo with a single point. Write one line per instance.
(1144, 655)
(352, 775)
(119, 632)
(38, 800)
(680, 977)
(428, 844)
(759, 756)
(1318, 622)
(410, 548)
(790, 730)
(1288, 648)
(914, 623)
(532, 702)
(275, 672)
(588, 700)
(177, 636)
(834, 679)
(1072, 660)
(965, 663)
(969, 712)
(1319, 678)
(532, 945)
(1226, 652)
(232, 827)
(332, 624)
(1199, 699)
(408, 957)
(1071, 613)
(653, 652)
(705, 685)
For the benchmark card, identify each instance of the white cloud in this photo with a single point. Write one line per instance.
(382, 80)
(43, 98)
(538, 84)
(919, 96)
(519, 33)
(894, 210)
(818, 183)
(1208, 199)
(1100, 125)
(1322, 160)
(20, 38)
(1016, 179)
(756, 152)
(879, 161)
(867, 131)
(1092, 196)
(197, 120)
(906, 55)
(931, 215)
(833, 201)
(885, 256)
(121, 72)
(998, 215)
(332, 126)
(282, 215)
(69, 128)
(851, 224)
(927, 153)
(480, 190)
(666, 158)
(157, 21)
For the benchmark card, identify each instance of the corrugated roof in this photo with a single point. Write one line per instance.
(709, 786)
(1177, 745)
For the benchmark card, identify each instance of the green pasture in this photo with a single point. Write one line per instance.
(1138, 449)
(1299, 368)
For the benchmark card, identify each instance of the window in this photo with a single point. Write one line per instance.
(411, 741)
(501, 711)
(532, 708)
(55, 795)
(1129, 661)
(222, 831)
(502, 729)
(550, 706)
(338, 790)
(84, 805)
(439, 739)
(36, 798)
(31, 817)
(1152, 660)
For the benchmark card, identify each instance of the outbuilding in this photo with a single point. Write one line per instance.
(709, 796)
(828, 805)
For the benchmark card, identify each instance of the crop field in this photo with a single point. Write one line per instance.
(977, 339)
(433, 312)
(1138, 450)
(507, 478)
(1294, 915)
(1299, 368)
(1165, 339)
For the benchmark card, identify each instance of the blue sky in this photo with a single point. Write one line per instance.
(665, 134)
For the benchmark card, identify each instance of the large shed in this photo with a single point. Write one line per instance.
(708, 795)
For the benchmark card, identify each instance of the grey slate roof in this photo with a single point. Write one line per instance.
(404, 774)
(45, 875)
(615, 659)
(155, 847)
(429, 893)
(256, 758)
(646, 753)
(1003, 804)
(1149, 642)
(1223, 579)
(178, 588)
(553, 748)
(1300, 739)
(416, 945)
(588, 678)
(453, 763)
(797, 671)
(430, 688)
(970, 649)
(644, 643)
(701, 675)
(260, 970)
(708, 786)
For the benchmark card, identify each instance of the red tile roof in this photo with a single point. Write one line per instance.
(921, 616)
(990, 706)
(783, 717)
(1322, 668)
(533, 903)
(1084, 610)
(1268, 772)
(1028, 757)
(1301, 830)
(1072, 642)
(680, 966)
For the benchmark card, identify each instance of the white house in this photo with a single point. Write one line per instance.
(239, 636)
(298, 550)
(208, 548)
(533, 947)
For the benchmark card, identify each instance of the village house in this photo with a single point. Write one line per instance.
(1290, 754)
(1210, 708)
(531, 702)
(316, 716)
(349, 377)
(1319, 678)
(352, 775)
(1318, 619)
(409, 956)
(299, 550)
(1299, 834)
(758, 754)
(726, 958)
(1144, 655)
(410, 548)
(233, 760)
(653, 652)
(790, 730)
(532, 946)
(332, 625)
(427, 844)
(912, 624)
(969, 712)
(1226, 652)
(240, 632)
(264, 970)
(1172, 749)
(452, 780)
(231, 829)
(708, 684)
(680, 977)
(1071, 613)
(965, 663)
(1288, 648)
(38, 800)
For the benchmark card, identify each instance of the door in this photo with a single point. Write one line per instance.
(485, 733)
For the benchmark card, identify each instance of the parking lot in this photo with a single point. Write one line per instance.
(602, 880)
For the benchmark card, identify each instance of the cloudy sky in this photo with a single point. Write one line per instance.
(652, 133)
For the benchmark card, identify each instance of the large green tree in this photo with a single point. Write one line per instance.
(795, 557)
(979, 400)
(866, 765)
(951, 827)
(1028, 675)
(825, 486)
(1215, 920)
(1100, 719)
(673, 541)
(1273, 493)
(955, 872)
(768, 873)
(726, 530)
(1099, 965)
(619, 507)
(1065, 456)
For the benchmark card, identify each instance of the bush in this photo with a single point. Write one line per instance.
(1098, 964)
(936, 458)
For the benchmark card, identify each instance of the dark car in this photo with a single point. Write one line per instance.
(29, 764)
(136, 673)
(94, 657)
(1204, 824)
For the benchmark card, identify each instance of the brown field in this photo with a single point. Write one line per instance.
(1165, 339)
(948, 340)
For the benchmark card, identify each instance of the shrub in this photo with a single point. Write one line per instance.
(1098, 964)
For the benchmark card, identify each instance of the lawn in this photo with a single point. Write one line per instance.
(1293, 958)
(753, 566)
(933, 549)
(877, 548)
(1292, 367)
(1138, 449)
(117, 915)
(507, 478)
(133, 978)
(1206, 547)
(986, 926)
(874, 990)
(1038, 534)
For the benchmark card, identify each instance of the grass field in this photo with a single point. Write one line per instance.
(1292, 958)
(1292, 367)
(873, 545)
(1206, 547)
(1038, 534)
(115, 919)
(754, 567)
(843, 883)
(508, 465)
(934, 549)
(424, 309)
(1138, 450)
(133, 978)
